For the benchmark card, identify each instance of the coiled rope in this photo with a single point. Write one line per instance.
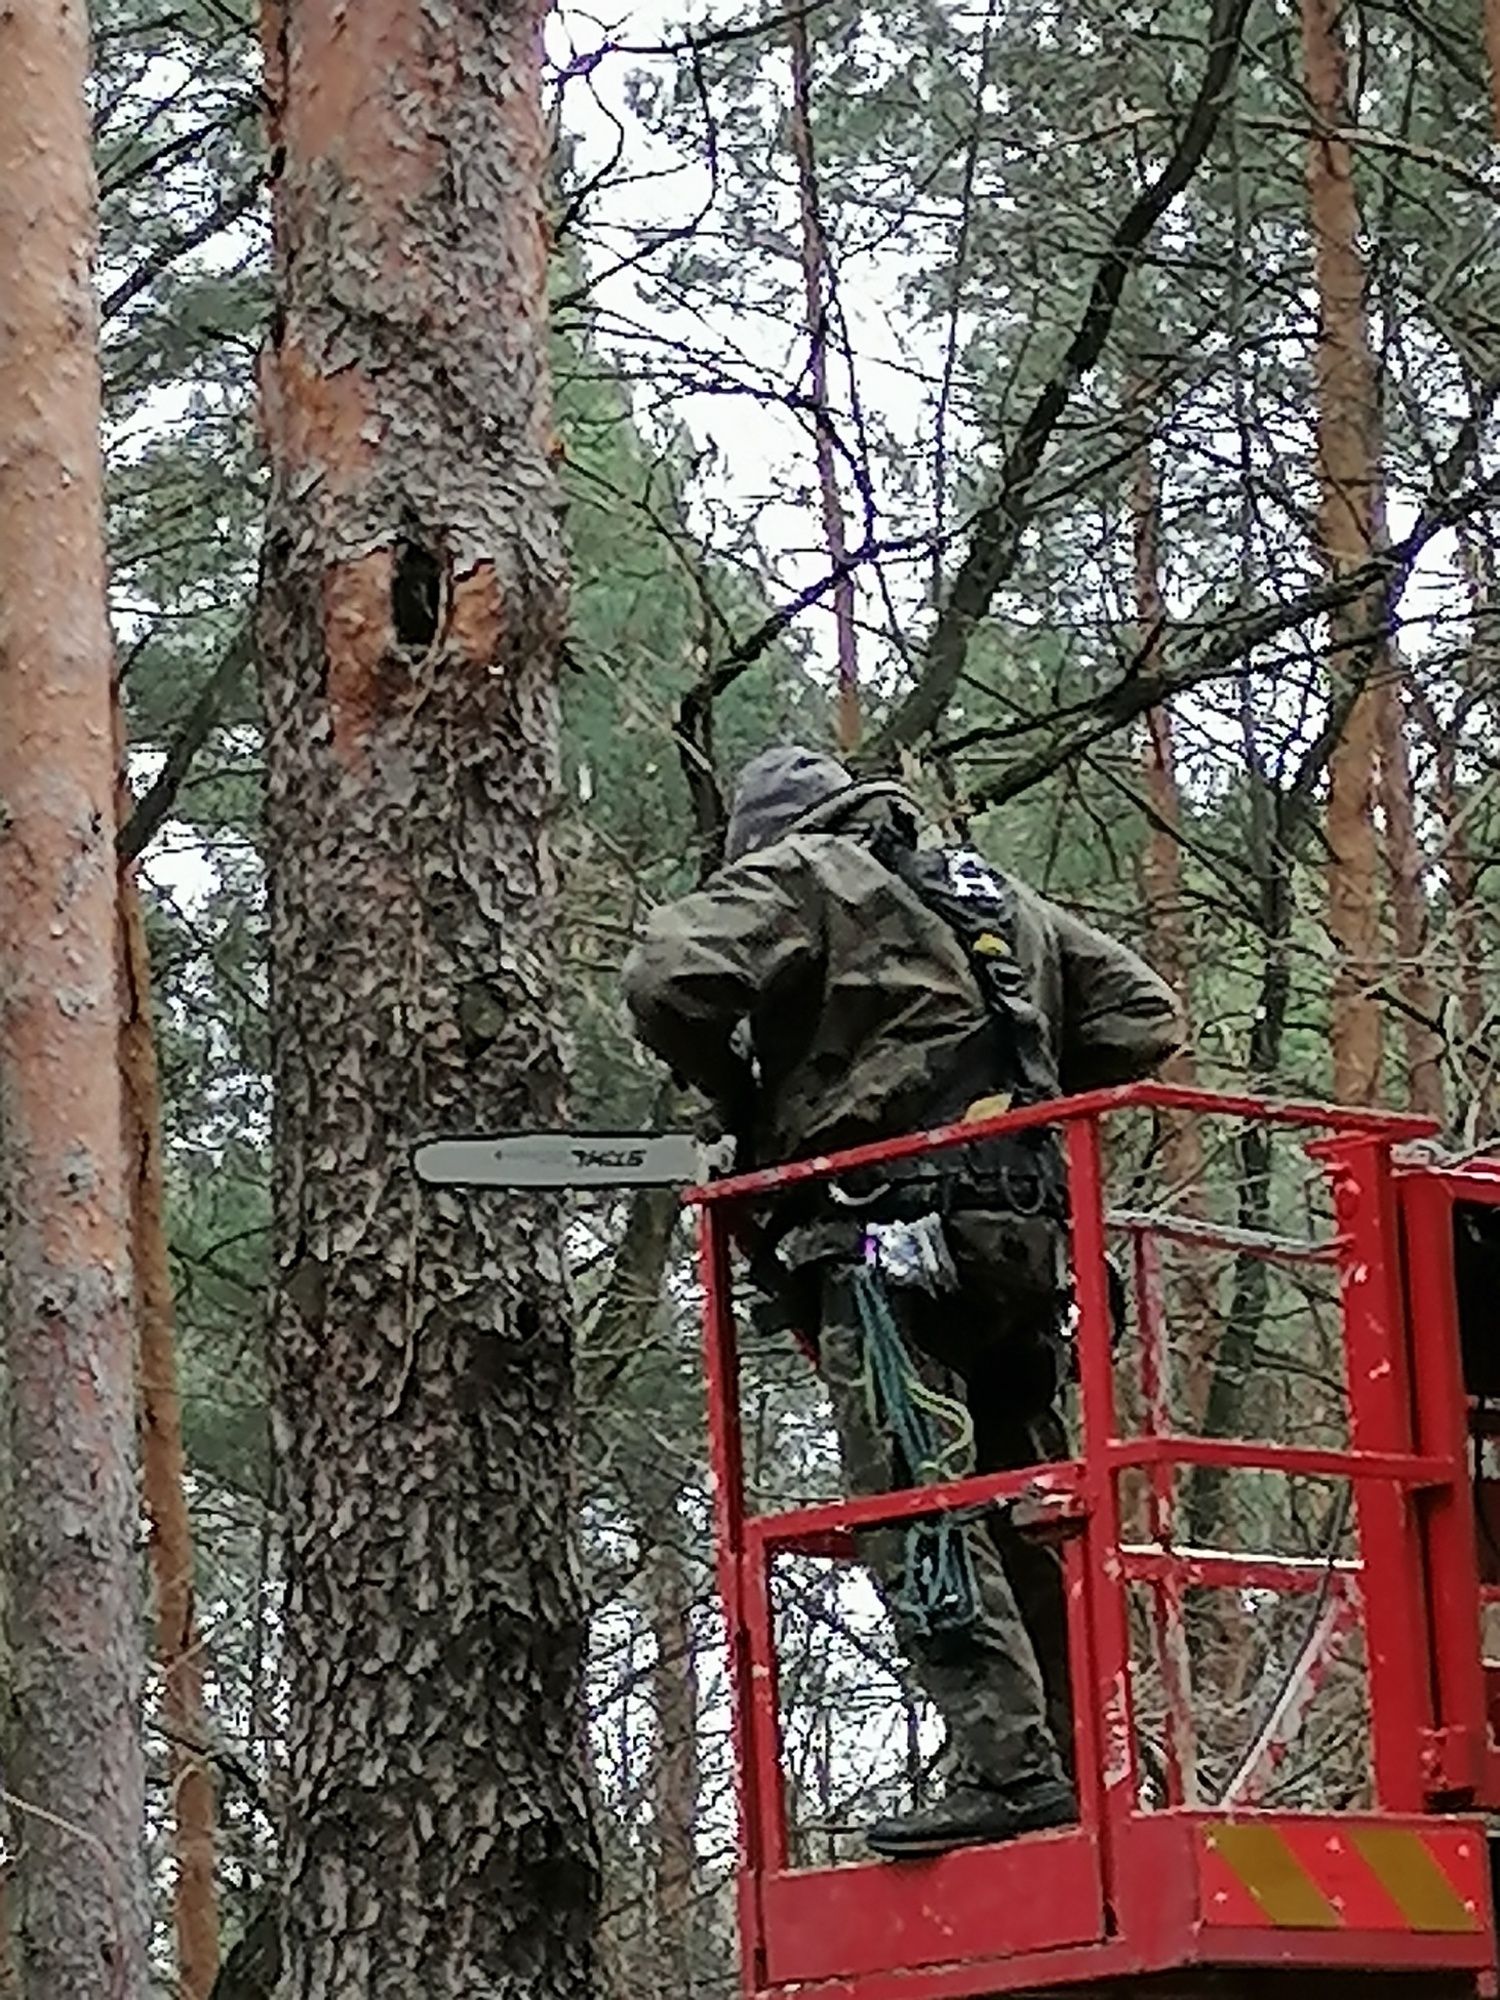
(939, 1593)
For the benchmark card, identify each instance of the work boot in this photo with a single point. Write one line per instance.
(973, 1816)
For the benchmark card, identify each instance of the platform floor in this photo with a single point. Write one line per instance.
(1260, 1983)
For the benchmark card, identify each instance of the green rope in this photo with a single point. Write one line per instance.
(938, 1594)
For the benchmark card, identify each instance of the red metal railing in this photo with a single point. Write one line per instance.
(1098, 1903)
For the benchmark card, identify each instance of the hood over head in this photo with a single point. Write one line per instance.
(795, 790)
(776, 790)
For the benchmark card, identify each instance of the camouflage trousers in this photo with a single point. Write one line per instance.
(1000, 1686)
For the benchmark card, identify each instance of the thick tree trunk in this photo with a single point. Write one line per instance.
(815, 294)
(195, 1908)
(437, 1836)
(1349, 474)
(73, 1768)
(1492, 49)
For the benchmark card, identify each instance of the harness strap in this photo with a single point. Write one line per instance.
(1009, 1174)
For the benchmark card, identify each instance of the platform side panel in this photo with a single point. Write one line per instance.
(1399, 1881)
(979, 1903)
(1449, 1526)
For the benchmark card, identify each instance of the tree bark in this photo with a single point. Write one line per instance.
(413, 598)
(1492, 50)
(1349, 476)
(815, 307)
(195, 1907)
(74, 1772)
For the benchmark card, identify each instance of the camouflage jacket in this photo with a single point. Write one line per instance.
(855, 1001)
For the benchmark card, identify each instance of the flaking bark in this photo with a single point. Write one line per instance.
(73, 1768)
(437, 1838)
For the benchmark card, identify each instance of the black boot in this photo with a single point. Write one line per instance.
(974, 1816)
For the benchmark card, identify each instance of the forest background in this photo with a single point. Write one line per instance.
(1088, 409)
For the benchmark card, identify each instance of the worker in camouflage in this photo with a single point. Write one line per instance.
(821, 1002)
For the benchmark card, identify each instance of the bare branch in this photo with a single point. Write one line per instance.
(1383, 577)
(156, 802)
(995, 537)
(236, 204)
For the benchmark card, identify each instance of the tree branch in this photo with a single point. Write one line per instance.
(156, 802)
(157, 262)
(713, 38)
(693, 727)
(1134, 693)
(995, 537)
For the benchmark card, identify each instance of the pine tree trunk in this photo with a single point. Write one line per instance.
(73, 1768)
(195, 1908)
(1161, 857)
(1472, 1058)
(675, 1777)
(1492, 50)
(1349, 474)
(1161, 882)
(437, 1837)
(1406, 865)
(815, 308)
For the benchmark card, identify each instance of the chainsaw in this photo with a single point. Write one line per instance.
(580, 1160)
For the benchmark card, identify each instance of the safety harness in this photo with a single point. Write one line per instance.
(1021, 1173)
(978, 904)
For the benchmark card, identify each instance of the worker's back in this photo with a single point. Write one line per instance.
(860, 1003)
(863, 1013)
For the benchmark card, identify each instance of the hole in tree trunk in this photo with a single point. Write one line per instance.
(416, 594)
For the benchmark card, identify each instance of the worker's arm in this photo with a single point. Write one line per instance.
(1120, 1021)
(712, 959)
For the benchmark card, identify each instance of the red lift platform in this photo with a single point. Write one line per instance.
(1157, 1894)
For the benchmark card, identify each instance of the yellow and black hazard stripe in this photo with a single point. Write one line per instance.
(1325, 1875)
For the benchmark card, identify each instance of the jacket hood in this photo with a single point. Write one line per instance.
(793, 790)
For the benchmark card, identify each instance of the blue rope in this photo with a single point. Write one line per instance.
(938, 1594)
